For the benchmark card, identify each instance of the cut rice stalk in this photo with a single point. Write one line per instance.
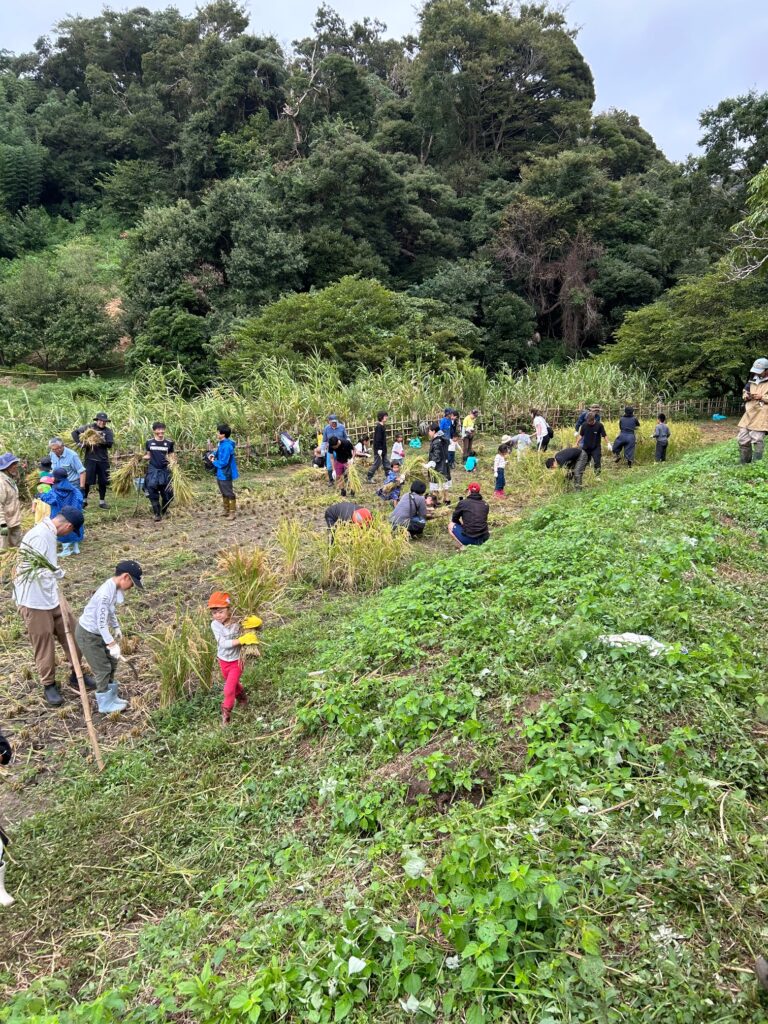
(121, 479)
(182, 489)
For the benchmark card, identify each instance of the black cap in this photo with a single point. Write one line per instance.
(73, 515)
(133, 569)
(101, 416)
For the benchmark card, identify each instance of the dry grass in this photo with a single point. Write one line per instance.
(288, 540)
(361, 558)
(245, 572)
(184, 657)
(122, 479)
(183, 493)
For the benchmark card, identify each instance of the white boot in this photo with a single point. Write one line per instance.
(108, 701)
(76, 547)
(5, 899)
(66, 549)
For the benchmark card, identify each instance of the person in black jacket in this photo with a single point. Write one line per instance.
(626, 440)
(342, 453)
(380, 457)
(96, 457)
(438, 461)
(469, 522)
(573, 461)
(591, 434)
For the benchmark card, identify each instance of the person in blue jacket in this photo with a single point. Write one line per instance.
(333, 428)
(61, 494)
(223, 459)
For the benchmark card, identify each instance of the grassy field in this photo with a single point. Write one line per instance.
(446, 801)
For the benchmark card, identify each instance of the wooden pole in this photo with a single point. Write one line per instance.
(66, 614)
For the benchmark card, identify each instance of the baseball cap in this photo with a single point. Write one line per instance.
(73, 516)
(59, 474)
(333, 418)
(219, 599)
(474, 488)
(102, 416)
(8, 460)
(133, 569)
(360, 516)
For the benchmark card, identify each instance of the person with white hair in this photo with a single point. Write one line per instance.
(65, 458)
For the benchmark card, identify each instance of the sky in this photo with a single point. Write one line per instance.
(664, 60)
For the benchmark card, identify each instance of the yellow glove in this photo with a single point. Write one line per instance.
(252, 622)
(248, 639)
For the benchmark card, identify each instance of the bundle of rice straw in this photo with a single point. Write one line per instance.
(91, 437)
(121, 479)
(180, 485)
(41, 510)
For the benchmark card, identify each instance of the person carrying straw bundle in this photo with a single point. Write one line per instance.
(95, 439)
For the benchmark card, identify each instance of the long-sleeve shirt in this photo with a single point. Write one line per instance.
(224, 460)
(100, 614)
(662, 432)
(10, 506)
(499, 462)
(409, 505)
(70, 461)
(96, 452)
(226, 634)
(379, 439)
(38, 588)
(339, 431)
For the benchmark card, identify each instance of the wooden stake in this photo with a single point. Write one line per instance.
(66, 614)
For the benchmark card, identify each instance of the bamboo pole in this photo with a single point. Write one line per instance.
(66, 614)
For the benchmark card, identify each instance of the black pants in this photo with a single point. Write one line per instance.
(661, 451)
(379, 460)
(157, 484)
(226, 488)
(595, 456)
(96, 472)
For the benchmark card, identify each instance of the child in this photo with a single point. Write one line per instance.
(362, 450)
(390, 489)
(227, 632)
(98, 633)
(398, 450)
(661, 436)
(226, 469)
(471, 463)
(499, 466)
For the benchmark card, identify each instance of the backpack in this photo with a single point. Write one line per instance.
(416, 523)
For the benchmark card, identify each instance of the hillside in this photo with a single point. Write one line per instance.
(451, 801)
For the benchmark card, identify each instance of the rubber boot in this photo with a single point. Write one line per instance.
(225, 506)
(6, 900)
(66, 550)
(156, 511)
(118, 700)
(758, 453)
(761, 972)
(498, 494)
(76, 548)
(52, 695)
(232, 508)
(88, 679)
(108, 701)
(745, 454)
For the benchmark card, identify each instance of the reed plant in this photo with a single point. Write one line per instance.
(183, 493)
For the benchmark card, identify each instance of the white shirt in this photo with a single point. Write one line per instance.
(398, 451)
(541, 427)
(226, 633)
(40, 588)
(100, 615)
(499, 463)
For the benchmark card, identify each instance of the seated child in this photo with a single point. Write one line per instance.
(470, 465)
(362, 449)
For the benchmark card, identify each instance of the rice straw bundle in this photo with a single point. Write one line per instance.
(180, 485)
(41, 509)
(91, 438)
(121, 480)
(249, 645)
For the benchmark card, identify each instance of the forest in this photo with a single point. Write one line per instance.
(181, 190)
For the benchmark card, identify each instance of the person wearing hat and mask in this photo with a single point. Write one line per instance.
(36, 592)
(333, 428)
(96, 457)
(753, 425)
(469, 522)
(98, 633)
(65, 458)
(60, 494)
(10, 506)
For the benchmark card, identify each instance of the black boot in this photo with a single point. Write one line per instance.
(88, 679)
(52, 695)
(745, 454)
(156, 510)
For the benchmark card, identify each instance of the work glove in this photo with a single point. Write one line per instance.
(114, 652)
(117, 633)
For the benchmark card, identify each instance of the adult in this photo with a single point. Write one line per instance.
(468, 428)
(224, 461)
(438, 461)
(333, 428)
(379, 446)
(61, 495)
(346, 512)
(36, 593)
(581, 418)
(591, 434)
(573, 460)
(10, 505)
(342, 453)
(65, 458)
(544, 433)
(469, 522)
(626, 441)
(158, 452)
(96, 456)
(753, 425)
(410, 512)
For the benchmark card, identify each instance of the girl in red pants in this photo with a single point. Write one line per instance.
(226, 629)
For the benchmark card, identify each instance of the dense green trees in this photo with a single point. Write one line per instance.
(459, 172)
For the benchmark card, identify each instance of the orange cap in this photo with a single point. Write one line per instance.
(219, 600)
(360, 516)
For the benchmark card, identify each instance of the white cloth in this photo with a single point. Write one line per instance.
(40, 588)
(499, 463)
(541, 427)
(100, 615)
(226, 633)
(398, 452)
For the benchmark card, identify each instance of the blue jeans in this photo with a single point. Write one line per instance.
(462, 538)
(501, 481)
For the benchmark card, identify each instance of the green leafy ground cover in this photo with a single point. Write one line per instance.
(450, 802)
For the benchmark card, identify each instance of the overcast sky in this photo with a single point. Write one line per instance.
(664, 60)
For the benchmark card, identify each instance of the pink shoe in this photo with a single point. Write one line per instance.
(499, 494)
